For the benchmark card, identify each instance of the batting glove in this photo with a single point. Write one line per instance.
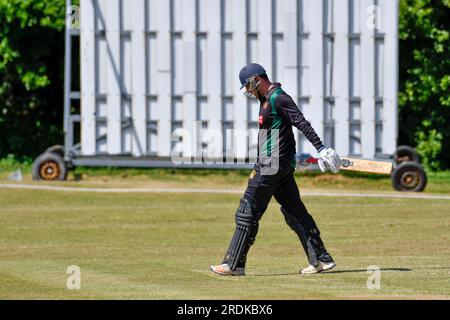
(329, 160)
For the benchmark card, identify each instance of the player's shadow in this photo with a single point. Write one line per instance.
(332, 271)
(365, 270)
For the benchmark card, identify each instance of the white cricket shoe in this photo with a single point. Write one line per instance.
(224, 270)
(323, 266)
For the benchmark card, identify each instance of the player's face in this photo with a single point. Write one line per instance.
(252, 88)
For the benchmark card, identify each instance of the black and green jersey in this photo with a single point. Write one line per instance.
(277, 114)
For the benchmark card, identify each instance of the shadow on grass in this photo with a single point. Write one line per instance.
(365, 270)
(329, 272)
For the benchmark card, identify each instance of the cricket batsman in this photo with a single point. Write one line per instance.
(273, 175)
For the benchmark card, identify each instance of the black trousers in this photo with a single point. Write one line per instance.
(261, 187)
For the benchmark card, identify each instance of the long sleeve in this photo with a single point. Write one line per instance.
(289, 111)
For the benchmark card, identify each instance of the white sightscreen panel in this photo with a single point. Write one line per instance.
(239, 60)
(100, 8)
(300, 142)
(227, 15)
(290, 46)
(127, 15)
(379, 111)
(126, 108)
(178, 65)
(315, 111)
(177, 138)
(190, 71)
(228, 139)
(228, 110)
(152, 141)
(202, 75)
(328, 138)
(253, 19)
(152, 14)
(367, 86)
(379, 68)
(378, 128)
(204, 15)
(253, 49)
(189, 47)
(305, 89)
(265, 34)
(253, 140)
(355, 68)
(253, 110)
(341, 77)
(213, 112)
(178, 14)
(305, 52)
(88, 77)
(101, 110)
(304, 16)
(278, 14)
(390, 123)
(177, 110)
(355, 21)
(138, 78)
(203, 109)
(289, 37)
(101, 130)
(126, 60)
(114, 81)
(151, 59)
(153, 110)
(127, 139)
(328, 60)
(378, 138)
(298, 135)
(306, 145)
(101, 63)
(355, 111)
(328, 111)
(381, 15)
(164, 76)
(328, 15)
(278, 61)
(228, 66)
(355, 140)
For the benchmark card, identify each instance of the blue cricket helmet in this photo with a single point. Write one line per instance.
(250, 70)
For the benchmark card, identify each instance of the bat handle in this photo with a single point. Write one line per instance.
(305, 159)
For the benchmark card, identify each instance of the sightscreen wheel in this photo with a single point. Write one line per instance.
(58, 149)
(409, 176)
(404, 154)
(49, 167)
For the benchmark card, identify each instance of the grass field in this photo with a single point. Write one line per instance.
(159, 245)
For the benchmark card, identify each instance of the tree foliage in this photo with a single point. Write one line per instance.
(31, 75)
(424, 97)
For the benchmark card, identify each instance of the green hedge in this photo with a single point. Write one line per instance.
(424, 97)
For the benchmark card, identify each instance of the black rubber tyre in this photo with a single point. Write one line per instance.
(404, 154)
(49, 167)
(56, 149)
(409, 176)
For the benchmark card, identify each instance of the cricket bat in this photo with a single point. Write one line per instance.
(352, 164)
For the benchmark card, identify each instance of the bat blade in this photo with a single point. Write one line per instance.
(370, 166)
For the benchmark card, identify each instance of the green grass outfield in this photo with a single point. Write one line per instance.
(159, 245)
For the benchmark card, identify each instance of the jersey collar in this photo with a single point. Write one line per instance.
(272, 88)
